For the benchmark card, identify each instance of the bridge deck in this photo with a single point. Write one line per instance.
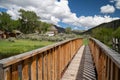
(81, 67)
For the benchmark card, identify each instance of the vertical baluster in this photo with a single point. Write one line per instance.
(52, 62)
(40, 67)
(108, 70)
(111, 71)
(7, 74)
(15, 72)
(58, 54)
(56, 67)
(117, 73)
(49, 66)
(45, 66)
(25, 68)
(33, 68)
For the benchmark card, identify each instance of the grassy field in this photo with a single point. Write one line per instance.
(85, 41)
(8, 48)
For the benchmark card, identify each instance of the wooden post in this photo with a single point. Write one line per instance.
(25, 68)
(40, 67)
(45, 63)
(15, 72)
(7, 73)
(49, 65)
(33, 68)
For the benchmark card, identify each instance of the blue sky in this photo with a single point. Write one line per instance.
(90, 8)
(82, 14)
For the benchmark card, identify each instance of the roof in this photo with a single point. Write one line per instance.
(16, 31)
(53, 28)
(1, 32)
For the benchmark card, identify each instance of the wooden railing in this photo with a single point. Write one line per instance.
(107, 61)
(46, 63)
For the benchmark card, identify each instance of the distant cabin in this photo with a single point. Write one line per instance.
(7, 34)
(2, 34)
(52, 31)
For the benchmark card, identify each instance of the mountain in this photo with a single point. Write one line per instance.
(60, 29)
(113, 24)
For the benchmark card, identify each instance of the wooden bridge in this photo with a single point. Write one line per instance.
(67, 60)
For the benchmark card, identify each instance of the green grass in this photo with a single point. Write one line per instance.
(8, 48)
(85, 41)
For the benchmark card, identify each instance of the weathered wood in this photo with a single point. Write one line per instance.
(33, 69)
(7, 73)
(109, 60)
(40, 67)
(25, 70)
(45, 62)
(15, 72)
(49, 65)
(1, 72)
(53, 63)
(14, 59)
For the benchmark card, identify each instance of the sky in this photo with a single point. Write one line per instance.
(77, 14)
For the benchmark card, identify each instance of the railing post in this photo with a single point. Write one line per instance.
(25, 70)
(40, 67)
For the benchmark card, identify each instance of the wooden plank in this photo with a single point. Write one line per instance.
(53, 62)
(58, 54)
(45, 66)
(7, 73)
(40, 67)
(15, 72)
(108, 70)
(25, 68)
(49, 65)
(2, 76)
(112, 75)
(116, 73)
(33, 69)
(56, 63)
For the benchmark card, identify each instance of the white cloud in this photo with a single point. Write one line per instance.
(53, 11)
(112, 1)
(107, 9)
(89, 21)
(118, 4)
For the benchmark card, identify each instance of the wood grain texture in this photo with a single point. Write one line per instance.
(40, 67)
(25, 68)
(33, 69)
(15, 72)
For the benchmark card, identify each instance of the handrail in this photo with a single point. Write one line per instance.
(107, 61)
(42, 64)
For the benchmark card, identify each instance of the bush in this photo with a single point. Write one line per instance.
(43, 37)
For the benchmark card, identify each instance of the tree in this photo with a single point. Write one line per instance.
(103, 34)
(15, 24)
(45, 27)
(116, 33)
(68, 30)
(29, 21)
(5, 22)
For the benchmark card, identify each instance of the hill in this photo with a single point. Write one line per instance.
(60, 29)
(113, 24)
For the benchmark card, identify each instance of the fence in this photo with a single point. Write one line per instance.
(107, 61)
(46, 63)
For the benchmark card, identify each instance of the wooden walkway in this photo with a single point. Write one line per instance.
(81, 67)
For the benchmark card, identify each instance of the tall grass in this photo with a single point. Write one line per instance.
(8, 48)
